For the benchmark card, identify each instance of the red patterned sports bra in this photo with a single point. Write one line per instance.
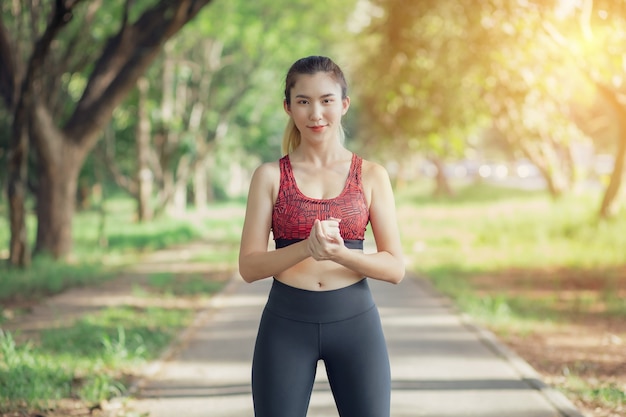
(294, 213)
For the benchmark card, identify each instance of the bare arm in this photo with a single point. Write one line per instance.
(387, 264)
(255, 261)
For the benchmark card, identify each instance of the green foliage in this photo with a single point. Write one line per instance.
(194, 284)
(425, 59)
(514, 228)
(87, 360)
(124, 234)
(126, 241)
(93, 358)
(610, 394)
(517, 261)
(224, 70)
(152, 237)
(449, 72)
(471, 235)
(116, 335)
(46, 277)
(19, 367)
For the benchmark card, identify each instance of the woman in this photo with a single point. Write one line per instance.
(317, 201)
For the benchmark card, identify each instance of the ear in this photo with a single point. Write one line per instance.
(287, 107)
(345, 104)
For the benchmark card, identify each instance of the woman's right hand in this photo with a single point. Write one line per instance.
(325, 239)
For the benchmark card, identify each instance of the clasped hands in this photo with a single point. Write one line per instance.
(325, 241)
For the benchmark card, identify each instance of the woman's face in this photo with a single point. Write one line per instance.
(317, 107)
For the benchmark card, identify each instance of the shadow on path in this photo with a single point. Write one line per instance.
(441, 364)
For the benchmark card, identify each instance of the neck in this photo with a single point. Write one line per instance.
(320, 155)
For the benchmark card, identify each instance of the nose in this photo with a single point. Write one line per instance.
(316, 112)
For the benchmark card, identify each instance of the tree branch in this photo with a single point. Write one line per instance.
(7, 69)
(70, 62)
(32, 80)
(107, 159)
(125, 57)
(126, 13)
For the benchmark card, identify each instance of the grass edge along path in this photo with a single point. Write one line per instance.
(79, 365)
(83, 363)
(527, 267)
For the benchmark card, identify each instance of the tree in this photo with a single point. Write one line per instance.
(27, 86)
(530, 90)
(420, 89)
(592, 36)
(215, 94)
(444, 69)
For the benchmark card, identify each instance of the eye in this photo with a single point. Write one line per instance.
(303, 101)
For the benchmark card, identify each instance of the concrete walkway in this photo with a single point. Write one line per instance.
(441, 364)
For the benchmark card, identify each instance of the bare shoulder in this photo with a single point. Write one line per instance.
(267, 172)
(373, 173)
(268, 168)
(265, 180)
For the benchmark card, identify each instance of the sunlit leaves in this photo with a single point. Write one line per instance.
(594, 34)
(419, 85)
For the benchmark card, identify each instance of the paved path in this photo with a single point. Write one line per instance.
(441, 364)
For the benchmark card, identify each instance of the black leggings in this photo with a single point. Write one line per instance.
(341, 327)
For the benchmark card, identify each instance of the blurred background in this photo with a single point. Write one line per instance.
(131, 126)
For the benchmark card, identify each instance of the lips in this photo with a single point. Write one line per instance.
(317, 128)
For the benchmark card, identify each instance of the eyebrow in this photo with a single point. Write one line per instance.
(322, 96)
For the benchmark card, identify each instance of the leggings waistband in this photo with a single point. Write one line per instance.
(348, 243)
(319, 306)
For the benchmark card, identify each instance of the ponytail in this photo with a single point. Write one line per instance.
(291, 138)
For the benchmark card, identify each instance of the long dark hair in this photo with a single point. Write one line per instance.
(309, 65)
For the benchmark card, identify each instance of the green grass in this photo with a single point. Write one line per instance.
(526, 230)
(527, 235)
(490, 249)
(94, 358)
(517, 260)
(88, 360)
(608, 394)
(194, 284)
(46, 277)
(124, 235)
(126, 240)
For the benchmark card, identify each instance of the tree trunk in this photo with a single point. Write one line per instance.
(19, 254)
(178, 203)
(209, 162)
(144, 173)
(56, 203)
(200, 187)
(608, 207)
(548, 168)
(442, 185)
(62, 150)
(21, 101)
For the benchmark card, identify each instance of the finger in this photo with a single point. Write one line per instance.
(318, 238)
(333, 233)
(320, 229)
(330, 224)
(315, 230)
(332, 229)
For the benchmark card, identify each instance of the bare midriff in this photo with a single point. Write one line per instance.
(315, 275)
